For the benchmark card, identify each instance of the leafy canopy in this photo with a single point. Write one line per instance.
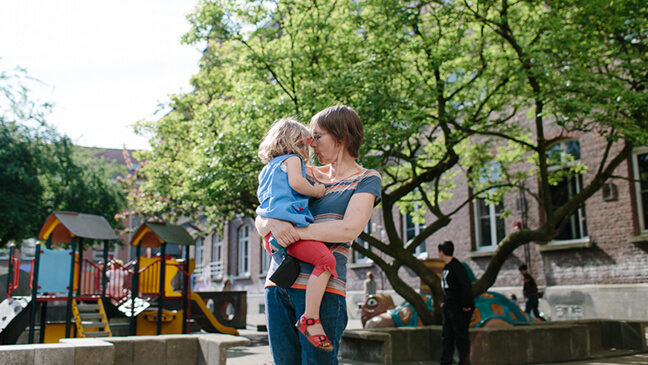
(449, 91)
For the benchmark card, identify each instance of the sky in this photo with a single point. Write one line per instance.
(104, 65)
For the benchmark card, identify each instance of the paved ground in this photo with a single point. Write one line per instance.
(629, 359)
(258, 353)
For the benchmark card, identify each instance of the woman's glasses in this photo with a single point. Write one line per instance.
(316, 137)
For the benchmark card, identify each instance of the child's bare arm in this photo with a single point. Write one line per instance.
(298, 182)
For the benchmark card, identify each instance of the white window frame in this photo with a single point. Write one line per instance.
(216, 265)
(265, 259)
(244, 250)
(494, 168)
(493, 216)
(200, 252)
(641, 218)
(359, 258)
(418, 227)
(576, 219)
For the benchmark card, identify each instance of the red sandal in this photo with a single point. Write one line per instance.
(320, 342)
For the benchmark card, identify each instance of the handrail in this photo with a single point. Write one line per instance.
(90, 277)
(31, 275)
(15, 282)
(153, 270)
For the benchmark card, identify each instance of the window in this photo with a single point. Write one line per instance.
(562, 156)
(489, 221)
(244, 250)
(200, 250)
(357, 256)
(265, 259)
(411, 230)
(217, 248)
(200, 276)
(489, 224)
(216, 265)
(640, 166)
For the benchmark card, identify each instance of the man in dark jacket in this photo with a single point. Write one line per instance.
(458, 306)
(530, 291)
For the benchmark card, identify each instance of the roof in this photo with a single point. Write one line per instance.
(62, 226)
(152, 234)
(113, 154)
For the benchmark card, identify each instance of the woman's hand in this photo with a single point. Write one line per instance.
(284, 232)
(320, 190)
(355, 219)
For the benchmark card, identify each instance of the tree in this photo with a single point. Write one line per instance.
(442, 88)
(41, 171)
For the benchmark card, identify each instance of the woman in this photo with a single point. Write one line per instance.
(340, 216)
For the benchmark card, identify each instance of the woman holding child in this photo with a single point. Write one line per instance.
(340, 215)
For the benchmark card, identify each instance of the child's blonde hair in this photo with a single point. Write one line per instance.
(286, 136)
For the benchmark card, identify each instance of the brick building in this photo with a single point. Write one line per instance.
(596, 268)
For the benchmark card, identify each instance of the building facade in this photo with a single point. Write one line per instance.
(596, 268)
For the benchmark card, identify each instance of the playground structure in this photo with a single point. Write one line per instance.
(153, 293)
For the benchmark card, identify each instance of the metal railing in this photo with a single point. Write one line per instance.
(213, 269)
(216, 269)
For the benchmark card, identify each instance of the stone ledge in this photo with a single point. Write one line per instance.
(608, 334)
(91, 351)
(537, 343)
(212, 349)
(371, 346)
(132, 350)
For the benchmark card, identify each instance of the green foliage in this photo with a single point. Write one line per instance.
(41, 171)
(446, 90)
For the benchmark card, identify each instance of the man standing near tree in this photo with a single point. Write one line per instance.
(530, 291)
(458, 306)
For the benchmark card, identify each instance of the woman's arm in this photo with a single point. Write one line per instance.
(355, 219)
(298, 183)
(284, 232)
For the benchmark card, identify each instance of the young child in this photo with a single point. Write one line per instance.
(283, 194)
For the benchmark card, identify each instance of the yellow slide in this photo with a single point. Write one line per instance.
(205, 318)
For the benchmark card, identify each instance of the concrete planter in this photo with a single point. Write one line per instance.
(525, 344)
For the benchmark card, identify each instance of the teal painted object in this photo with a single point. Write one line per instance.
(489, 302)
(54, 271)
(510, 312)
(488, 306)
(413, 322)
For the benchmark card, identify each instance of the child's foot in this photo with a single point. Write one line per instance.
(314, 332)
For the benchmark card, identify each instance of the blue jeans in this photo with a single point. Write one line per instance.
(288, 346)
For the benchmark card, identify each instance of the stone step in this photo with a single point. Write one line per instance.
(90, 316)
(88, 307)
(94, 325)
